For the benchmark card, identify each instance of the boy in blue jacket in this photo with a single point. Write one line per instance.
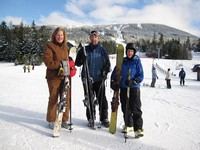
(134, 116)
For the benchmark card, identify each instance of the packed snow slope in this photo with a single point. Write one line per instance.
(171, 116)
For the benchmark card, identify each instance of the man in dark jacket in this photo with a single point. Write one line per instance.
(133, 119)
(99, 66)
(182, 76)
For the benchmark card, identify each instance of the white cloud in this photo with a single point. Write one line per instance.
(14, 20)
(107, 3)
(179, 14)
(56, 18)
(105, 13)
(74, 9)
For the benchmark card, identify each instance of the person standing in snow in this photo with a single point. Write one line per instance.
(56, 54)
(134, 117)
(182, 75)
(33, 66)
(154, 76)
(24, 67)
(99, 66)
(29, 68)
(168, 78)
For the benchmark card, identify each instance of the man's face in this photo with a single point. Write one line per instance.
(94, 39)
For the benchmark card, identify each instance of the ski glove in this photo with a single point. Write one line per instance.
(105, 73)
(114, 85)
(130, 83)
(72, 67)
(64, 69)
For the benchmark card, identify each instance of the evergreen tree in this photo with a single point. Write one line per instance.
(20, 43)
(34, 43)
(161, 44)
(3, 41)
(110, 46)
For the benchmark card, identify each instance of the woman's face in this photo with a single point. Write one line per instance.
(59, 36)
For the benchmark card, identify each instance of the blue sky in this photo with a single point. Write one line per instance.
(181, 14)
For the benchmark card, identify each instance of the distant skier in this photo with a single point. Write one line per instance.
(24, 67)
(154, 76)
(33, 66)
(182, 75)
(168, 78)
(29, 68)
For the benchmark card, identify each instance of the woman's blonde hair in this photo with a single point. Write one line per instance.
(56, 31)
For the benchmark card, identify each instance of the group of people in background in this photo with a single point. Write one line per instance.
(28, 67)
(57, 51)
(168, 77)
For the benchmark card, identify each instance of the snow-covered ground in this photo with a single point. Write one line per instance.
(171, 116)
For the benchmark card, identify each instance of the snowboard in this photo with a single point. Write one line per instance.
(115, 99)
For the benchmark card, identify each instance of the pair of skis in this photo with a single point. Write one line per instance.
(61, 108)
(90, 102)
(62, 104)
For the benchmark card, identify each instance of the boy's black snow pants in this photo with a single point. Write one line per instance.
(135, 112)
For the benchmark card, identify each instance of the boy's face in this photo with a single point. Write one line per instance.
(130, 53)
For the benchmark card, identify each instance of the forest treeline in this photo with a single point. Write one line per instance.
(24, 44)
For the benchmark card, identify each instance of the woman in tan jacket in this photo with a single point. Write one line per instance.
(55, 52)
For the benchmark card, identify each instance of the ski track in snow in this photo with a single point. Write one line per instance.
(171, 116)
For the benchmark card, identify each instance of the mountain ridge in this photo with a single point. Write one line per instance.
(130, 32)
